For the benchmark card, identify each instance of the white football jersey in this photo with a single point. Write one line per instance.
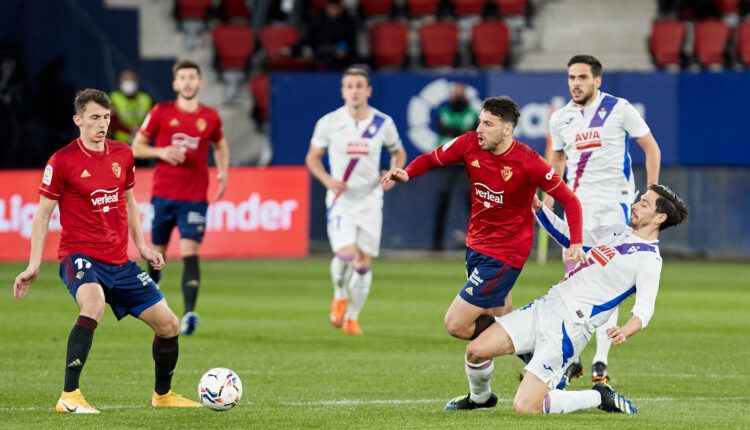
(354, 149)
(595, 140)
(621, 264)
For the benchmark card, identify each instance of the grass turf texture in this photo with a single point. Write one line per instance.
(267, 320)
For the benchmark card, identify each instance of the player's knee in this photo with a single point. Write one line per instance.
(456, 329)
(168, 327)
(475, 353)
(91, 301)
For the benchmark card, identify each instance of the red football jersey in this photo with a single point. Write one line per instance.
(192, 132)
(90, 191)
(503, 186)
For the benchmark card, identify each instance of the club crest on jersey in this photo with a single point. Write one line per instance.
(475, 163)
(200, 124)
(174, 122)
(507, 172)
(603, 254)
(116, 169)
(79, 274)
(602, 112)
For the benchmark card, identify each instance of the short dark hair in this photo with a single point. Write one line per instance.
(596, 65)
(669, 204)
(503, 107)
(83, 97)
(185, 64)
(357, 71)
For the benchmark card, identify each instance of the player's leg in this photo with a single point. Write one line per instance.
(342, 235)
(466, 321)
(603, 344)
(162, 223)
(191, 222)
(359, 289)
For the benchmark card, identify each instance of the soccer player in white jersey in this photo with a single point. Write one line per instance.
(557, 326)
(590, 135)
(353, 136)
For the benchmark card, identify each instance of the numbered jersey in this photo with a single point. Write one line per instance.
(90, 191)
(192, 133)
(595, 140)
(354, 149)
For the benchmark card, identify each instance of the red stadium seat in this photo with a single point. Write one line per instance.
(743, 43)
(468, 7)
(711, 37)
(275, 40)
(665, 44)
(728, 6)
(420, 8)
(193, 9)
(260, 88)
(511, 7)
(235, 9)
(439, 43)
(372, 8)
(234, 45)
(388, 43)
(490, 41)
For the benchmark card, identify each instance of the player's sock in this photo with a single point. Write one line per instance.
(359, 289)
(191, 279)
(165, 352)
(341, 269)
(481, 325)
(602, 341)
(79, 345)
(479, 376)
(563, 402)
(154, 274)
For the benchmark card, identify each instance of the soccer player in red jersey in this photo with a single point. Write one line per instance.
(504, 175)
(91, 179)
(182, 131)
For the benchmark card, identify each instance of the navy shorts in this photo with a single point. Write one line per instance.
(127, 288)
(189, 216)
(488, 280)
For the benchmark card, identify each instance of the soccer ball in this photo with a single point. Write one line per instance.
(220, 389)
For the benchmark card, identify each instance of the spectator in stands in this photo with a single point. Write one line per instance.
(455, 118)
(290, 11)
(332, 37)
(129, 108)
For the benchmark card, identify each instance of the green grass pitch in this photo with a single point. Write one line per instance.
(267, 320)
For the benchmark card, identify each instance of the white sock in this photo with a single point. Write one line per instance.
(563, 402)
(602, 341)
(341, 268)
(359, 289)
(479, 375)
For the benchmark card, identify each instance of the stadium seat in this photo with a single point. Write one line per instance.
(373, 8)
(234, 45)
(422, 8)
(235, 9)
(665, 44)
(511, 7)
(728, 6)
(278, 40)
(490, 41)
(192, 9)
(388, 43)
(468, 7)
(711, 37)
(260, 88)
(439, 42)
(743, 43)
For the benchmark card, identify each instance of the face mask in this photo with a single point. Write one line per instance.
(129, 87)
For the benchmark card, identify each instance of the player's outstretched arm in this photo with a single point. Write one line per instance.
(619, 335)
(392, 176)
(221, 156)
(398, 160)
(134, 225)
(653, 157)
(168, 154)
(39, 229)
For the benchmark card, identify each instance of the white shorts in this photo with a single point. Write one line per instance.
(356, 222)
(540, 327)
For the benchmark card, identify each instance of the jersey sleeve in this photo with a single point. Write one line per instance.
(218, 132)
(150, 126)
(447, 153)
(633, 123)
(543, 175)
(320, 134)
(647, 286)
(557, 142)
(554, 226)
(53, 180)
(391, 139)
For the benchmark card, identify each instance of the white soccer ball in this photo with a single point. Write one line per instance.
(220, 389)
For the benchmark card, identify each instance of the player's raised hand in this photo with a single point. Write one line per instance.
(172, 154)
(154, 258)
(575, 253)
(222, 186)
(616, 335)
(23, 282)
(394, 175)
(537, 204)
